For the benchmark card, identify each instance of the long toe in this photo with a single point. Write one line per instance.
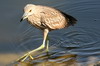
(19, 59)
(29, 54)
(24, 57)
(31, 57)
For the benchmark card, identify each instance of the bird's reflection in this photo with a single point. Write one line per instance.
(50, 60)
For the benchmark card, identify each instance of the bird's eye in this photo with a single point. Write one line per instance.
(30, 10)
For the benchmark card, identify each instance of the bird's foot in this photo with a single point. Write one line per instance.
(25, 56)
(29, 54)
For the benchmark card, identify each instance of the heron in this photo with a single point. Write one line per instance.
(46, 19)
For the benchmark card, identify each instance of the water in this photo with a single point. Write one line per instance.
(79, 44)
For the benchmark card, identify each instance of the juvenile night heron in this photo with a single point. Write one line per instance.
(47, 19)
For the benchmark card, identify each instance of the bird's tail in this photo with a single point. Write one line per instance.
(72, 20)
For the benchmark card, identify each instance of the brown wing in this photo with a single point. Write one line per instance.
(53, 19)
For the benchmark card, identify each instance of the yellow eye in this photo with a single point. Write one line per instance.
(30, 10)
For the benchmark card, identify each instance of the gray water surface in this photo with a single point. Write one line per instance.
(83, 39)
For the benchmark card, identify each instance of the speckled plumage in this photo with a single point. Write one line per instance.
(48, 17)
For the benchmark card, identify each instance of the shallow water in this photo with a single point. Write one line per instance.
(79, 44)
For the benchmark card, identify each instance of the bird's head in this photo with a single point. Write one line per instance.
(29, 9)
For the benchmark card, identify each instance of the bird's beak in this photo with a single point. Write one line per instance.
(24, 17)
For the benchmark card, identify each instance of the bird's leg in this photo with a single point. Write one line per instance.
(29, 54)
(47, 44)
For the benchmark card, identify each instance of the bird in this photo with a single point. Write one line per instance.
(47, 19)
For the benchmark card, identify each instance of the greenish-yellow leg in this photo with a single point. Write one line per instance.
(29, 54)
(45, 44)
